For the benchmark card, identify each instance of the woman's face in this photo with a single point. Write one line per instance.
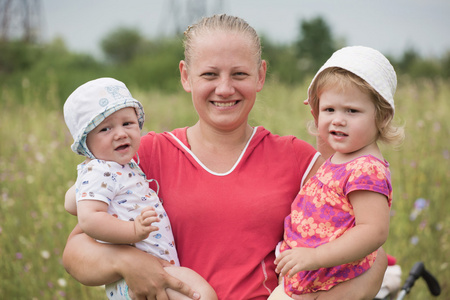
(223, 77)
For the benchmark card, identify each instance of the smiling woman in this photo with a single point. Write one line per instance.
(224, 93)
(227, 186)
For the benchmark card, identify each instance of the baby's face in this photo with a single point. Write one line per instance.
(117, 138)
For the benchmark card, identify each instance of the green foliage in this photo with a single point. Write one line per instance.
(445, 65)
(17, 55)
(150, 64)
(37, 166)
(34, 176)
(421, 170)
(122, 44)
(282, 62)
(417, 67)
(50, 66)
(153, 64)
(315, 44)
(157, 66)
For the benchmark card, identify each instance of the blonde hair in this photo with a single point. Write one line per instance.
(221, 22)
(388, 131)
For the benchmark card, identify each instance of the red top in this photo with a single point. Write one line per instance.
(226, 226)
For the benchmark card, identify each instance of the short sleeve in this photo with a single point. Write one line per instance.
(96, 181)
(371, 175)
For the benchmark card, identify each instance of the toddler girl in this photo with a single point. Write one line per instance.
(341, 215)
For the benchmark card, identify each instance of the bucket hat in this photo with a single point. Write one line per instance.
(93, 102)
(367, 63)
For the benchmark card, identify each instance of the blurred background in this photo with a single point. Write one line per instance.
(142, 38)
(390, 26)
(50, 47)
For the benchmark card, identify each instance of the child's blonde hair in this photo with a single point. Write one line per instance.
(388, 131)
(221, 22)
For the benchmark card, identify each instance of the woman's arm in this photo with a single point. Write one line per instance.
(363, 287)
(93, 263)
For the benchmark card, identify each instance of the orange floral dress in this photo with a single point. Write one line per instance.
(321, 212)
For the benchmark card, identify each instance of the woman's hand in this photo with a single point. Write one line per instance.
(147, 279)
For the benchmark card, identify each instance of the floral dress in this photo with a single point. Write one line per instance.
(321, 212)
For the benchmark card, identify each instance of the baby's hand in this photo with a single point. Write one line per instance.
(143, 222)
(292, 261)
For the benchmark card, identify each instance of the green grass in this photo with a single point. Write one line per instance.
(37, 166)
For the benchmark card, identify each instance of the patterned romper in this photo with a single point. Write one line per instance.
(125, 189)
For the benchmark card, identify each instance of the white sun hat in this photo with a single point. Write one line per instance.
(367, 63)
(91, 103)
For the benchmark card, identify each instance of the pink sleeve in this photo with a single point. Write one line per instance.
(370, 176)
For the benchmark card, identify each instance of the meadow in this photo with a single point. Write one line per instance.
(37, 166)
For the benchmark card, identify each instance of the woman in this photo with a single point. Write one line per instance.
(226, 185)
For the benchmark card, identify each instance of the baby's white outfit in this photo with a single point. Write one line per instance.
(125, 189)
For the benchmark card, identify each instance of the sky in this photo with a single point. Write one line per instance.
(391, 26)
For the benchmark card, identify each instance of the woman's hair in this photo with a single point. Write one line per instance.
(221, 22)
(388, 132)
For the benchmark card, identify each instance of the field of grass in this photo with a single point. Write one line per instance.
(37, 166)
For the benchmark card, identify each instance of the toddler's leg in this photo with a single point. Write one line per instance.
(192, 279)
(279, 294)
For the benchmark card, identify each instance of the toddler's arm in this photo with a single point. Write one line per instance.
(70, 203)
(97, 223)
(370, 232)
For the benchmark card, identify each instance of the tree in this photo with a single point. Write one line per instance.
(314, 45)
(122, 44)
(446, 65)
(409, 58)
(281, 60)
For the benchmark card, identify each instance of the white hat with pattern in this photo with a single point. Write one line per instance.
(91, 103)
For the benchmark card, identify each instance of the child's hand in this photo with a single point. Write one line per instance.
(292, 261)
(143, 222)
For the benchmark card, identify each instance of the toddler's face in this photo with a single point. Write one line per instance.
(117, 138)
(347, 120)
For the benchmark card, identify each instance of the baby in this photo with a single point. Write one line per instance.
(114, 203)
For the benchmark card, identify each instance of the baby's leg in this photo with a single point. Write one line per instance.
(192, 279)
(279, 294)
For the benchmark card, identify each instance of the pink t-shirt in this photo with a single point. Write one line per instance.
(322, 212)
(227, 225)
